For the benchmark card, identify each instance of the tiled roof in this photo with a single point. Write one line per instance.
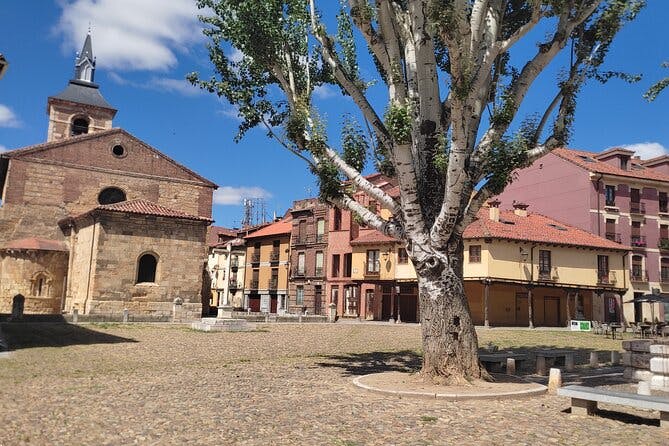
(35, 243)
(214, 233)
(144, 207)
(587, 161)
(283, 226)
(535, 228)
(373, 237)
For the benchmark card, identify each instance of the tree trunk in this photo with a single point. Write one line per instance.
(450, 345)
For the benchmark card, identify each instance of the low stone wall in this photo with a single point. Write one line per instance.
(263, 317)
(647, 360)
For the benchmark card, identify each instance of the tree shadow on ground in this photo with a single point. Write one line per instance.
(374, 362)
(22, 335)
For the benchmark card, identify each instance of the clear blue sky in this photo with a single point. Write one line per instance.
(144, 49)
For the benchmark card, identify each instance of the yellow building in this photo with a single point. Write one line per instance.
(528, 269)
(518, 267)
(266, 272)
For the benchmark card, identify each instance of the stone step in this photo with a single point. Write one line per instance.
(216, 324)
(637, 374)
(636, 360)
(659, 365)
(659, 350)
(660, 382)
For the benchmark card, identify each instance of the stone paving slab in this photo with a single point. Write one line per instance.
(278, 385)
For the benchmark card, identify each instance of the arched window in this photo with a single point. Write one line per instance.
(146, 268)
(41, 285)
(79, 126)
(111, 195)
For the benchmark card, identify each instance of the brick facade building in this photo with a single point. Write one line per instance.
(97, 220)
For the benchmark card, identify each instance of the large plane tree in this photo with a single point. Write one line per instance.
(456, 73)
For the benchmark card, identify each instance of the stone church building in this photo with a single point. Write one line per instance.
(96, 220)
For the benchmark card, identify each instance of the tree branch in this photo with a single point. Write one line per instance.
(386, 227)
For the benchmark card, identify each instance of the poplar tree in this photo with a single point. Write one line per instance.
(450, 131)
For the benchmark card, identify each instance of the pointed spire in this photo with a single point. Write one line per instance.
(84, 67)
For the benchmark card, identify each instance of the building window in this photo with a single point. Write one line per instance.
(300, 264)
(373, 264)
(664, 270)
(79, 126)
(475, 253)
(274, 279)
(603, 269)
(41, 285)
(319, 263)
(320, 229)
(119, 151)
(302, 231)
(146, 268)
(544, 263)
(335, 265)
(348, 264)
(402, 256)
(336, 224)
(111, 195)
(299, 295)
(637, 273)
(610, 193)
(662, 200)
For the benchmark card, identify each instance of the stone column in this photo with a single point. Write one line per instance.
(568, 312)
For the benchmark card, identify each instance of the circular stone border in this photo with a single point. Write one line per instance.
(531, 389)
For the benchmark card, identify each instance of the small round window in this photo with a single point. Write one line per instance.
(119, 151)
(111, 195)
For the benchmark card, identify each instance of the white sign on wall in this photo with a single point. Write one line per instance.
(264, 303)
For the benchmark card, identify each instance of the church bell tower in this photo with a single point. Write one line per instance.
(80, 108)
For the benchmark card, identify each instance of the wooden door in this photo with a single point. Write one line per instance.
(522, 318)
(552, 311)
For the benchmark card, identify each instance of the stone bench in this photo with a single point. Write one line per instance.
(500, 358)
(567, 357)
(584, 401)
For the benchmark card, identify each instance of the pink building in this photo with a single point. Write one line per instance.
(612, 194)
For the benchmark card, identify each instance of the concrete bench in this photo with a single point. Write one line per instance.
(584, 401)
(500, 358)
(567, 357)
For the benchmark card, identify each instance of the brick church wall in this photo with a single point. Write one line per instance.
(119, 241)
(17, 271)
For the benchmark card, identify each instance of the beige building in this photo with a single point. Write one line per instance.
(267, 269)
(226, 264)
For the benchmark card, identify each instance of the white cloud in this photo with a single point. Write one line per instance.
(228, 195)
(324, 92)
(8, 118)
(131, 34)
(647, 150)
(236, 55)
(3, 148)
(180, 86)
(231, 113)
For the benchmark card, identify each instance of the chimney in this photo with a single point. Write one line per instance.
(520, 209)
(494, 209)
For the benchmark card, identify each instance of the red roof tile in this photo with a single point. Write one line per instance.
(535, 228)
(587, 160)
(144, 207)
(219, 234)
(283, 226)
(373, 237)
(35, 243)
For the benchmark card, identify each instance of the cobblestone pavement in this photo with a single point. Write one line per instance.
(282, 384)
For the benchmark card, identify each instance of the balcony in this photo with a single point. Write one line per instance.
(550, 275)
(273, 283)
(274, 256)
(639, 276)
(234, 263)
(298, 272)
(614, 237)
(320, 238)
(254, 284)
(255, 257)
(319, 271)
(637, 208)
(606, 278)
(638, 241)
(234, 285)
(664, 276)
(663, 244)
